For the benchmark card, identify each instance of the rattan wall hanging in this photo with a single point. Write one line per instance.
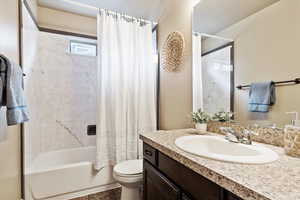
(172, 52)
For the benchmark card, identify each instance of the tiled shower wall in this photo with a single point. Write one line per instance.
(216, 72)
(60, 90)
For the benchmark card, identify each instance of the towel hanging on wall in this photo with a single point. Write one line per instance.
(11, 92)
(262, 96)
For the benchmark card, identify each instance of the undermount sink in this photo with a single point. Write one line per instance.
(220, 149)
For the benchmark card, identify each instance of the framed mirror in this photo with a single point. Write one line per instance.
(213, 73)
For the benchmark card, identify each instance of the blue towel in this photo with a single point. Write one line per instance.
(261, 96)
(11, 92)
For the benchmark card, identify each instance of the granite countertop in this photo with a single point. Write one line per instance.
(279, 180)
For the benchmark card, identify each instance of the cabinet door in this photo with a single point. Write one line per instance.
(158, 187)
(185, 197)
(229, 196)
(198, 187)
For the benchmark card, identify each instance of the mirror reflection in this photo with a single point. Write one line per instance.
(216, 75)
(255, 47)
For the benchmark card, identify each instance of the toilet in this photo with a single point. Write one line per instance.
(129, 174)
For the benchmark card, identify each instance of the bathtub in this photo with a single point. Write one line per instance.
(66, 174)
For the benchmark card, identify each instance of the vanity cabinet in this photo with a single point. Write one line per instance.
(230, 196)
(157, 186)
(167, 179)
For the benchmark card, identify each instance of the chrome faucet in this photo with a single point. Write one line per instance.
(247, 139)
(230, 134)
(233, 136)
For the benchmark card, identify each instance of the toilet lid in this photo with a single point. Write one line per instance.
(129, 167)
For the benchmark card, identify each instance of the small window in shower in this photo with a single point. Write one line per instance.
(83, 48)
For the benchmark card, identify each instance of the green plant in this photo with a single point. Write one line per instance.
(223, 116)
(200, 117)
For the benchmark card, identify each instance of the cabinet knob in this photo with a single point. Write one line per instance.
(147, 152)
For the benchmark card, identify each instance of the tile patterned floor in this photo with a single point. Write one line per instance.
(114, 194)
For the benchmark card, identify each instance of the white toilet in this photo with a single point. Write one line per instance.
(129, 174)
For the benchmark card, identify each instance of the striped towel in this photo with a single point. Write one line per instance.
(11, 92)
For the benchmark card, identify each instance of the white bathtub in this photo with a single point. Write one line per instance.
(66, 174)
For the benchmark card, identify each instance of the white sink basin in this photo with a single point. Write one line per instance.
(220, 149)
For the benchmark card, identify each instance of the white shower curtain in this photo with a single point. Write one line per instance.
(127, 79)
(197, 72)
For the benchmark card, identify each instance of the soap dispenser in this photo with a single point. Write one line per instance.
(296, 121)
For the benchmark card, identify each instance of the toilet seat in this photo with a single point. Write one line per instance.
(129, 168)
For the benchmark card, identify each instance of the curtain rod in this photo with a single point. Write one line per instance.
(126, 16)
(212, 36)
(112, 12)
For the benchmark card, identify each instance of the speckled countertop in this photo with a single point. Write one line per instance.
(279, 180)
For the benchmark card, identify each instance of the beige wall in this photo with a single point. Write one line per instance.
(10, 149)
(267, 48)
(176, 87)
(66, 21)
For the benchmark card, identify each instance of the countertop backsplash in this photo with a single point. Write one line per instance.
(292, 141)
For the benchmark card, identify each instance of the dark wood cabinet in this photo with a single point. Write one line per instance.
(157, 186)
(230, 196)
(150, 154)
(185, 197)
(189, 181)
(167, 179)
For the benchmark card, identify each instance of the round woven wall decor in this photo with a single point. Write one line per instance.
(172, 52)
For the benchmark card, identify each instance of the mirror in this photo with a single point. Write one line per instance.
(214, 59)
(244, 42)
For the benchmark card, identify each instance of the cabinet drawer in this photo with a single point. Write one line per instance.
(150, 154)
(190, 182)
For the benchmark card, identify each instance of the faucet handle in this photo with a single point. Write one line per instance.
(230, 134)
(232, 138)
(226, 130)
(247, 139)
(249, 132)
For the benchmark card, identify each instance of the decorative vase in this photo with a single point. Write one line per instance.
(201, 127)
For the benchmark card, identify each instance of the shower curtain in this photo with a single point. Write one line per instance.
(197, 72)
(127, 77)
